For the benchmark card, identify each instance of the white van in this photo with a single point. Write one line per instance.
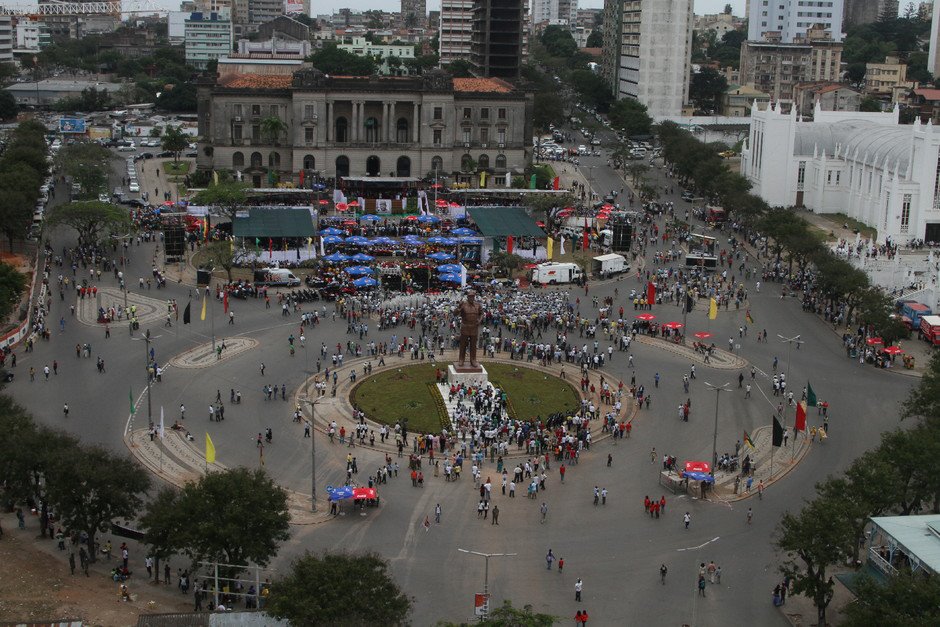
(552, 273)
(276, 276)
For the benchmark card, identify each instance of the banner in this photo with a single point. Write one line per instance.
(800, 423)
(210, 450)
(186, 314)
(712, 309)
(383, 206)
(778, 433)
(509, 244)
(203, 315)
(550, 245)
(810, 395)
(650, 293)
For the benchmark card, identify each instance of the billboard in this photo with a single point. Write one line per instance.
(71, 125)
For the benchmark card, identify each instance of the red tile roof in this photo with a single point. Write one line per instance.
(256, 81)
(928, 94)
(480, 85)
(594, 52)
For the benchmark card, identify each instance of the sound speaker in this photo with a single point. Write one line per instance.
(174, 240)
(623, 234)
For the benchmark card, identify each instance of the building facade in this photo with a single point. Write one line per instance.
(207, 37)
(829, 97)
(7, 38)
(612, 40)
(933, 54)
(456, 30)
(414, 13)
(789, 20)
(498, 38)
(362, 47)
(655, 54)
(554, 12)
(888, 79)
(365, 126)
(865, 165)
(776, 68)
(867, 11)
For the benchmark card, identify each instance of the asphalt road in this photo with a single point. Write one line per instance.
(616, 549)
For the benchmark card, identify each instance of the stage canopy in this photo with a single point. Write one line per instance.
(281, 222)
(504, 221)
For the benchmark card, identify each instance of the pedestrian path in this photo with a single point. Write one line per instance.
(149, 309)
(719, 359)
(204, 355)
(769, 463)
(453, 405)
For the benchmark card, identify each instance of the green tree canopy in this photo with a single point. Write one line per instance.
(92, 220)
(88, 165)
(8, 106)
(163, 526)
(227, 196)
(558, 41)
(592, 89)
(707, 88)
(908, 599)
(175, 141)
(331, 60)
(12, 286)
(338, 588)
(630, 116)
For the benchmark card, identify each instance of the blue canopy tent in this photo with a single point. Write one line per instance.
(371, 217)
(337, 258)
(362, 258)
(365, 282)
(439, 256)
(358, 240)
(450, 278)
(358, 270)
(332, 239)
(463, 231)
(429, 219)
(449, 268)
(331, 231)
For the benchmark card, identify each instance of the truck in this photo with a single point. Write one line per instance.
(915, 311)
(609, 265)
(553, 273)
(930, 329)
(276, 276)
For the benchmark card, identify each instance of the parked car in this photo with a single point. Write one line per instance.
(134, 186)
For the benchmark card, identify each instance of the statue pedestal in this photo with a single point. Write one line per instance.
(467, 376)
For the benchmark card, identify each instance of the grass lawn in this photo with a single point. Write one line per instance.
(839, 219)
(408, 392)
(176, 168)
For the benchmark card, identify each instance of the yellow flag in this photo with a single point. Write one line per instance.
(203, 315)
(483, 179)
(215, 177)
(712, 309)
(210, 450)
(551, 247)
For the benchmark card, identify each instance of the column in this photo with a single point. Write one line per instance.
(415, 123)
(386, 108)
(392, 123)
(329, 120)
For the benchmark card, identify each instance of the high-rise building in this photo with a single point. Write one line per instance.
(776, 68)
(414, 13)
(933, 56)
(497, 39)
(610, 56)
(655, 54)
(263, 11)
(867, 11)
(792, 18)
(455, 31)
(7, 38)
(207, 37)
(554, 12)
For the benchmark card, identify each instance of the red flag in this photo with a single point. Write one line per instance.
(509, 243)
(800, 423)
(556, 183)
(650, 293)
(586, 240)
(270, 248)
(301, 178)
(225, 301)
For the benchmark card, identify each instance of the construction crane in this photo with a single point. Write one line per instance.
(53, 7)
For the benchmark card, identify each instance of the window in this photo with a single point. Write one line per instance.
(274, 160)
(905, 212)
(501, 113)
(484, 135)
(237, 110)
(466, 135)
(467, 113)
(936, 187)
(255, 109)
(310, 111)
(485, 113)
(437, 165)
(437, 137)
(401, 131)
(238, 160)
(273, 110)
(438, 113)
(256, 160)
(838, 176)
(255, 133)
(342, 166)
(372, 130)
(500, 162)
(828, 177)
(237, 132)
(308, 135)
(466, 163)
(483, 163)
(309, 162)
(801, 176)
(342, 132)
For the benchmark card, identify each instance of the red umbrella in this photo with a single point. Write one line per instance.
(893, 350)
(436, 186)
(607, 207)
(441, 202)
(341, 206)
(673, 325)
(455, 205)
(324, 202)
(411, 218)
(540, 224)
(354, 203)
(872, 341)
(703, 335)
(646, 317)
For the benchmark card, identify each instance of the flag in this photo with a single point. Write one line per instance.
(225, 301)
(215, 177)
(261, 454)
(712, 309)
(650, 293)
(586, 238)
(301, 178)
(556, 182)
(550, 246)
(130, 396)
(747, 440)
(160, 431)
(203, 315)
(810, 395)
(509, 244)
(778, 433)
(800, 423)
(186, 314)
(748, 317)
(270, 248)
(210, 450)
(322, 247)
(483, 179)
(532, 182)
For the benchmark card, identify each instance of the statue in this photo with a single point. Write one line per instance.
(470, 313)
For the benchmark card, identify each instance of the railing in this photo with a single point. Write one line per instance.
(881, 563)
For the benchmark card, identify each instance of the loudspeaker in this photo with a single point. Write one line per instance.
(203, 277)
(174, 241)
(623, 234)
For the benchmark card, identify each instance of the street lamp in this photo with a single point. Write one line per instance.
(313, 451)
(718, 390)
(790, 341)
(486, 575)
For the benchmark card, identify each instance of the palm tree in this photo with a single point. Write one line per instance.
(272, 127)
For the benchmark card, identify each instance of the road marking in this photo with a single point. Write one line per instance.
(693, 548)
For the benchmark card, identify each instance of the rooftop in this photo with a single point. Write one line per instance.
(918, 535)
(928, 94)
(256, 81)
(480, 85)
(877, 141)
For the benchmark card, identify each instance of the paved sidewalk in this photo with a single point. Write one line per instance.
(785, 459)
(149, 308)
(203, 356)
(720, 359)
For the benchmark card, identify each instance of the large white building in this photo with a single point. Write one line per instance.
(207, 37)
(456, 30)
(554, 12)
(7, 38)
(865, 165)
(791, 18)
(655, 54)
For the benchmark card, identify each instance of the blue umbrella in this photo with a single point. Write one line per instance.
(332, 239)
(428, 218)
(358, 270)
(473, 240)
(336, 258)
(437, 239)
(358, 240)
(463, 231)
(440, 256)
(414, 240)
(449, 241)
(331, 231)
(450, 278)
(340, 493)
(371, 217)
(365, 282)
(449, 268)
(383, 240)
(362, 258)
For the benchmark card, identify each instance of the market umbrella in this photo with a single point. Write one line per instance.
(450, 278)
(471, 239)
(336, 258)
(358, 240)
(362, 258)
(332, 239)
(383, 240)
(463, 231)
(428, 218)
(353, 203)
(365, 281)
(703, 335)
(324, 202)
(411, 218)
(331, 231)
(449, 268)
(437, 239)
(646, 317)
(441, 202)
(449, 241)
(607, 207)
(440, 256)
(371, 217)
(673, 325)
(358, 270)
(872, 341)
(341, 206)
(697, 467)
(893, 350)
(455, 205)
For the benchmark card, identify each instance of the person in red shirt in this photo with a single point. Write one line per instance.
(561, 471)
(646, 503)
(662, 503)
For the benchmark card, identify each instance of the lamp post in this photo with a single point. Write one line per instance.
(790, 341)
(313, 452)
(486, 575)
(718, 390)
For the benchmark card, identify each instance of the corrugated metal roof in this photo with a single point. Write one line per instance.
(504, 221)
(918, 535)
(275, 223)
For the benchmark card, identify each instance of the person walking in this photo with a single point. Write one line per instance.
(495, 515)
(760, 490)
(750, 515)
(578, 585)
(437, 513)
(662, 573)
(549, 559)
(687, 519)
(544, 510)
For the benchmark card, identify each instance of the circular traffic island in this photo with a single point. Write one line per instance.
(411, 392)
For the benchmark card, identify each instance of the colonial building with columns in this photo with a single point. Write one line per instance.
(862, 164)
(379, 126)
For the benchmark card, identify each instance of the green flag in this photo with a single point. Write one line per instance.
(810, 395)
(130, 397)
(532, 182)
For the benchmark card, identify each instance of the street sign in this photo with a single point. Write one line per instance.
(481, 604)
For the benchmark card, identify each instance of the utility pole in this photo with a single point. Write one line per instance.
(718, 390)
(146, 339)
(313, 450)
(790, 341)
(486, 575)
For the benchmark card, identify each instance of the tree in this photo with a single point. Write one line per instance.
(8, 106)
(924, 400)
(226, 196)
(509, 616)
(15, 215)
(460, 68)
(331, 60)
(88, 164)
(707, 88)
(630, 116)
(869, 103)
(90, 487)
(595, 39)
(221, 254)
(92, 220)
(548, 109)
(636, 172)
(908, 599)
(234, 517)
(507, 262)
(558, 41)
(163, 526)
(175, 141)
(338, 588)
(592, 89)
(727, 10)
(272, 127)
